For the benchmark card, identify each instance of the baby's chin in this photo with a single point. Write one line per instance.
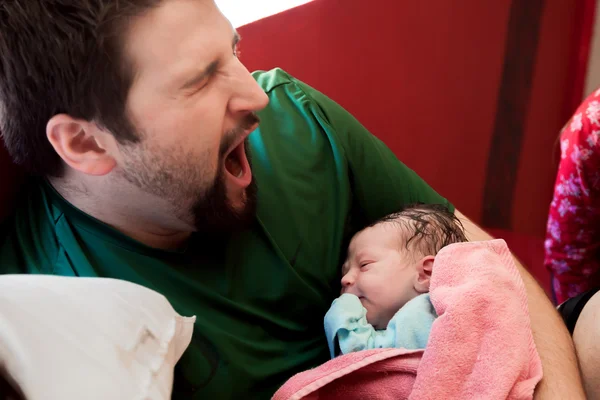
(376, 322)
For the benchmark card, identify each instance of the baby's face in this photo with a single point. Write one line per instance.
(380, 271)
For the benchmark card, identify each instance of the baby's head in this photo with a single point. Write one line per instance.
(390, 262)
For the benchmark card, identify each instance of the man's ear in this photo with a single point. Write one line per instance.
(424, 268)
(81, 144)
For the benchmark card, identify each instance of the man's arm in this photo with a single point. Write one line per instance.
(561, 374)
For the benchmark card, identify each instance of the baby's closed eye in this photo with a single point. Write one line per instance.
(366, 265)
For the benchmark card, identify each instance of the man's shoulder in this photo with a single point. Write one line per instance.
(29, 242)
(300, 102)
(274, 78)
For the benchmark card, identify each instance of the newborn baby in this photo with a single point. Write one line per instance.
(385, 281)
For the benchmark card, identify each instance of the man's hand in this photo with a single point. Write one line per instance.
(561, 374)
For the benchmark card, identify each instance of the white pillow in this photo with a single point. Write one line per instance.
(69, 338)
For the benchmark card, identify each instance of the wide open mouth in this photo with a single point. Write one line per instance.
(233, 161)
(237, 166)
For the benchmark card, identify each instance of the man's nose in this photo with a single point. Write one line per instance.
(248, 95)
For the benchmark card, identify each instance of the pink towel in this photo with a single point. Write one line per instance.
(480, 347)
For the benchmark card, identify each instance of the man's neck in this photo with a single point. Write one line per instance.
(139, 219)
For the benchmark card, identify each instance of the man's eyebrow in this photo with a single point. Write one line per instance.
(212, 67)
(236, 39)
(208, 71)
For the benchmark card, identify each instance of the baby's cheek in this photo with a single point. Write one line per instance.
(371, 314)
(378, 283)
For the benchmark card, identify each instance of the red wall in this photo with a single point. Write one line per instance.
(547, 115)
(424, 77)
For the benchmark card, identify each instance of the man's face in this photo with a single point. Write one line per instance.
(193, 105)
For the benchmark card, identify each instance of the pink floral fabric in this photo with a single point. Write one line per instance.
(573, 230)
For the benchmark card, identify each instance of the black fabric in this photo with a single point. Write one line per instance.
(570, 309)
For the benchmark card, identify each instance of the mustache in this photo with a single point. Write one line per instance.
(233, 135)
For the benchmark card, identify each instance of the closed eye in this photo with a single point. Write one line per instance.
(201, 80)
(201, 85)
(365, 266)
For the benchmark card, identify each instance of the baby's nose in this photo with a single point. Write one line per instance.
(347, 280)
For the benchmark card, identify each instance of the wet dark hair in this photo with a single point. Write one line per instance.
(9, 389)
(427, 228)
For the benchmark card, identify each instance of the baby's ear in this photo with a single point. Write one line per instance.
(424, 268)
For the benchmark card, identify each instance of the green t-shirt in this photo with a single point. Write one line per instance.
(260, 295)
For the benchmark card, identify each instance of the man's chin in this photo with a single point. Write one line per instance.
(244, 207)
(238, 203)
(219, 214)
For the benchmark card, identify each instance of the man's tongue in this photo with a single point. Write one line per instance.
(232, 163)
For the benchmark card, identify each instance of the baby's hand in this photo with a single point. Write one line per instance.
(348, 301)
(346, 325)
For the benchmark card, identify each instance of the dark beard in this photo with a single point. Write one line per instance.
(213, 213)
(172, 176)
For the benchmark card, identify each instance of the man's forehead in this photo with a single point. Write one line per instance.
(176, 37)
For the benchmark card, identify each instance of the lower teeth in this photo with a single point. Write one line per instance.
(232, 166)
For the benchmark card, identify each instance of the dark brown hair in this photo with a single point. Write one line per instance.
(9, 389)
(63, 56)
(427, 228)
